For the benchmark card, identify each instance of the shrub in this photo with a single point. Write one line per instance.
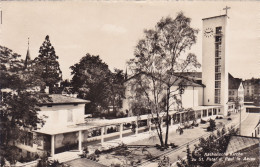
(212, 125)
(97, 152)
(85, 150)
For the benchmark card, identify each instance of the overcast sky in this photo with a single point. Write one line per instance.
(112, 29)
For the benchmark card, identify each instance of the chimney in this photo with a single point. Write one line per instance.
(47, 90)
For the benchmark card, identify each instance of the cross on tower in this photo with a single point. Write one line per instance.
(226, 9)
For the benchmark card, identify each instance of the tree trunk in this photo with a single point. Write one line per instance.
(160, 134)
(167, 117)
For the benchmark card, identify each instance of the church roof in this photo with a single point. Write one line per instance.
(184, 78)
(62, 99)
(233, 83)
(28, 57)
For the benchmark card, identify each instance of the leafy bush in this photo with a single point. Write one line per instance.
(212, 125)
(165, 162)
(97, 152)
(85, 150)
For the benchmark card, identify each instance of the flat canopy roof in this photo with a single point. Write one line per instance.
(105, 122)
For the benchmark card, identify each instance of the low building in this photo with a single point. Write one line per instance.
(235, 94)
(59, 114)
(252, 90)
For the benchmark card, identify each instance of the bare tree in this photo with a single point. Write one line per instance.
(159, 64)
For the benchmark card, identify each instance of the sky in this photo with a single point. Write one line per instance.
(112, 29)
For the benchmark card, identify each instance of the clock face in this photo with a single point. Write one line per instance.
(208, 32)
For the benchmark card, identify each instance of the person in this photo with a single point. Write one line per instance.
(181, 131)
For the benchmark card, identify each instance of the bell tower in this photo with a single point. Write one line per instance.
(214, 61)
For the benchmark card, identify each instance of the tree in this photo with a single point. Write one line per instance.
(93, 80)
(47, 65)
(19, 102)
(212, 125)
(159, 64)
(116, 89)
(185, 163)
(215, 143)
(208, 149)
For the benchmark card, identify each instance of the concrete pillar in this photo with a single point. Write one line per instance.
(105, 130)
(171, 118)
(121, 131)
(149, 123)
(80, 140)
(136, 127)
(102, 135)
(201, 114)
(52, 145)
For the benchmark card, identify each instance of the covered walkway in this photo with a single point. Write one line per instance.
(98, 131)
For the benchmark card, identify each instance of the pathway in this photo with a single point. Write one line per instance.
(249, 124)
(193, 135)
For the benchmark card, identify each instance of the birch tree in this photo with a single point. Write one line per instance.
(160, 59)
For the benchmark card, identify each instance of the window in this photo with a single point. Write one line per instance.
(218, 30)
(218, 53)
(204, 113)
(217, 100)
(218, 39)
(218, 46)
(210, 112)
(217, 84)
(70, 116)
(217, 76)
(214, 111)
(217, 69)
(217, 92)
(217, 61)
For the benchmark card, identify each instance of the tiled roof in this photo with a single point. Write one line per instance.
(62, 99)
(233, 83)
(187, 81)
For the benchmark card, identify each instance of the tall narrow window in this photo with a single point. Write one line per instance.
(218, 30)
(218, 42)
